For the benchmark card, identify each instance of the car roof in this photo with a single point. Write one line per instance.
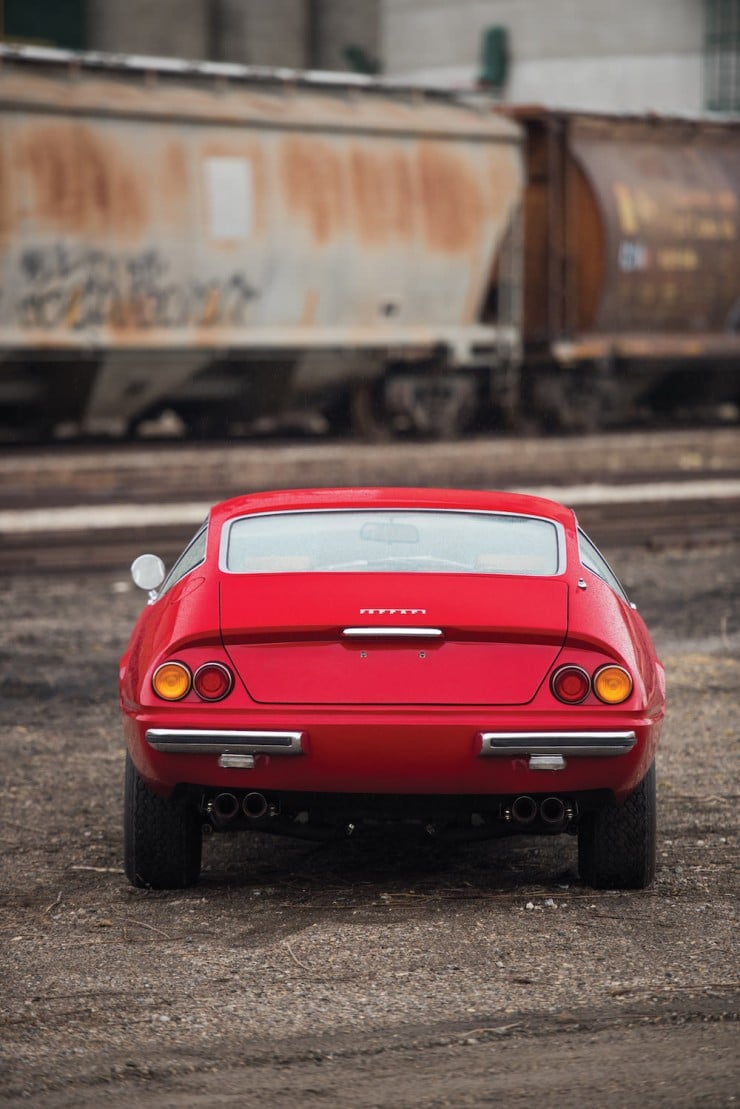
(375, 497)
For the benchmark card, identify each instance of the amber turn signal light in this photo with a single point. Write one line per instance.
(171, 681)
(612, 684)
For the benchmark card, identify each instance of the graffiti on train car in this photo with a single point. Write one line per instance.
(683, 214)
(679, 231)
(77, 288)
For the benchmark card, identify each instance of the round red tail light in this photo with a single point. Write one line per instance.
(571, 684)
(212, 681)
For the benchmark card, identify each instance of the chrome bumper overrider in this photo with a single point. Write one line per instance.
(507, 744)
(210, 741)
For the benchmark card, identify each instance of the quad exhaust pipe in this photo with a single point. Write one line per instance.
(225, 806)
(552, 812)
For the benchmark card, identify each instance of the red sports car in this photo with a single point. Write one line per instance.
(317, 659)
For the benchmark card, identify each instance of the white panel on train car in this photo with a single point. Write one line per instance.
(230, 197)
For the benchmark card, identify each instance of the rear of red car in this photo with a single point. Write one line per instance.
(445, 663)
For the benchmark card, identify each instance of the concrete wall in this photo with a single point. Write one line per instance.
(295, 33)
(261, 32)
(346, 24)
(176, 28)
(314, 34)
(630, 55)
(257, 32)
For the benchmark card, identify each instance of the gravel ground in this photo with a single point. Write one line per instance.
(369, 972)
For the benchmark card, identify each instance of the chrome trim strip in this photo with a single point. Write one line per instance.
(212, 741)
(506, 744)
(392, 632)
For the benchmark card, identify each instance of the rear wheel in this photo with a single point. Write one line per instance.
(162, 837)
(616, 845)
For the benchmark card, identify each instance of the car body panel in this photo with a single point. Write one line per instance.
(420, 753)
(391, 722)
(473, 638)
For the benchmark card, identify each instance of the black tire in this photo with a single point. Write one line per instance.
(617, 844)
(162, 837)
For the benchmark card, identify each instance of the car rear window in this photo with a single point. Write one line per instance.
(406, 541)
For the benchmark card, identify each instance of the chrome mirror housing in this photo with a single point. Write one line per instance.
(148, 571)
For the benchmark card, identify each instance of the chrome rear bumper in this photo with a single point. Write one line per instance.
(589, 744)
(208, 741)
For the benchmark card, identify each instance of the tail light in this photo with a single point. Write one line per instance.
(612, 684)
(172, 681)
(571, 684)
(213, 681)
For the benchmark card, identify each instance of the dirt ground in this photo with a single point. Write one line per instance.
(369, 972)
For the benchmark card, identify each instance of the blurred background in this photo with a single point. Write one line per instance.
(376, 218)
(640, 55)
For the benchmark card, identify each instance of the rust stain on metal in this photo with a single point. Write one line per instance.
(247, 217)
(657, 347)
(263, 102)
(669, 229)
(6, 197)
(312, 178)
(80, 181)
(632, 226)
(453, 208)
(176, 184)
(256, 155)
(501, 178)
(310, 306)
(383, 193)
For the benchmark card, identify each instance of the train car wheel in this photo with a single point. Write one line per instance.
(369, 415)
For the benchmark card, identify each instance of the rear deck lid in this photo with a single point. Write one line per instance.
(401, 639)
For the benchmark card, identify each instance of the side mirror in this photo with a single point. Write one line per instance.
(148, 571)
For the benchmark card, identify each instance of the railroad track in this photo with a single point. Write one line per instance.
(603, 477)
(684, 524)
(108, 473)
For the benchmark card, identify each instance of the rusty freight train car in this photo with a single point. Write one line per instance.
(229, 241)
(632, 265)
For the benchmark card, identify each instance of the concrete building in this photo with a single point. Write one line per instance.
(260, 32)
(640, 55)
(319, 34)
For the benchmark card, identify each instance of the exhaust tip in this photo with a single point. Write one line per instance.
(524, 810)
(254, 805)
(552, 811)
(225, 806)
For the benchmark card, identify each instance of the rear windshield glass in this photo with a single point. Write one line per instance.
(379, 541)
